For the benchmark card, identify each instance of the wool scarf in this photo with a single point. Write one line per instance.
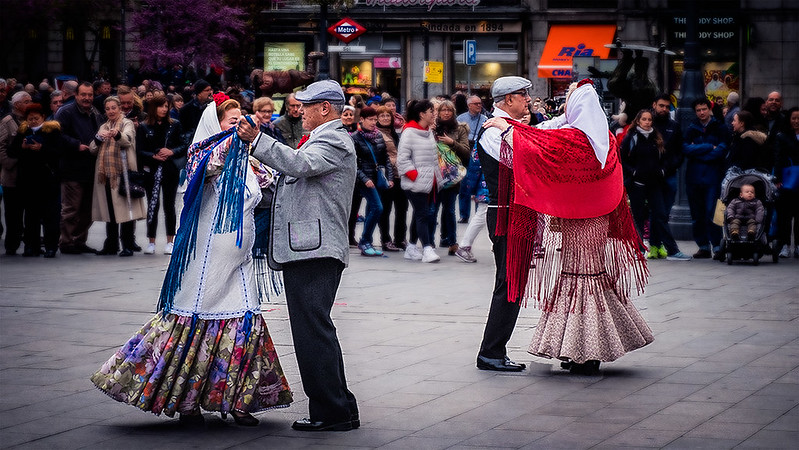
(109, 156)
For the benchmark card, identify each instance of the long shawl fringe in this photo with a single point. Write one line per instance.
(534, 259)
(230, 210)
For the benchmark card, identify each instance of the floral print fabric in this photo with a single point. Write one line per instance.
(172, 365)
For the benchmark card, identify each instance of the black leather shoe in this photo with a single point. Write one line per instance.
(702, 254)
(192, 420)
(309, 425)
(135, 247)
(107, 251)
(126, 252)
(499, 364)
(83, 248)
(49, 254)
(243, 418)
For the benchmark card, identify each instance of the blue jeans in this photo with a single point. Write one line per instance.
(446, 199)
(702, 203)
(374, 208)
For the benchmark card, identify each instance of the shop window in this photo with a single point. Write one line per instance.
(391, 43)
(356, 76)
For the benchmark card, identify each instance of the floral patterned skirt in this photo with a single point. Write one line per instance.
(173, 366)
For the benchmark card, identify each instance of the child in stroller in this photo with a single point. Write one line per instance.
(736, 186)
(745, 210)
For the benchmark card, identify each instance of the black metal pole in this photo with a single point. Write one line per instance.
(691, 88)
(324, 63)
(426, 57)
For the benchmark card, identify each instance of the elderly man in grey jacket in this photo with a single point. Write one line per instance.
(308, 241)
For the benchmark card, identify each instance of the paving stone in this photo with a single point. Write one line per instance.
(723, 370)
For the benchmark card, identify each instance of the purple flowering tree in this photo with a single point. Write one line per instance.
(187, 32)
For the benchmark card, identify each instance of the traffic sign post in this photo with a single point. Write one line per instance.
(470, 59)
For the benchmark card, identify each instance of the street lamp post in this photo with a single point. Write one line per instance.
(691, 88)
(324, 63)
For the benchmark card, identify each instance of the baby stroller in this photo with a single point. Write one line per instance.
(765, 191)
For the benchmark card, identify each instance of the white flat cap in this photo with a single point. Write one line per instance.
(321, 91)
(506, 85)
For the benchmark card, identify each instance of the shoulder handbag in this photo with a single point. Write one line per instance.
(790, 177)
(452, 170)
(381, 181)
(132, 183)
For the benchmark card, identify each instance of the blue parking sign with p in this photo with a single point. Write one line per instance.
(470, 52)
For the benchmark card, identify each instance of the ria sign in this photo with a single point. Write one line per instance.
(346, 30)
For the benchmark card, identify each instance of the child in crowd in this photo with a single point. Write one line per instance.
(745, 210)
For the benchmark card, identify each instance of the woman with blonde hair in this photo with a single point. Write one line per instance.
(112, 201)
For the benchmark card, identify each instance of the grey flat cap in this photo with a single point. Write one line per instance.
(320, 91)
(505, 85)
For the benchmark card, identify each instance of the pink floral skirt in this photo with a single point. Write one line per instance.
(170, 366)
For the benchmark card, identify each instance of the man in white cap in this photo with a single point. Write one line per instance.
(511, 100)
(309, 243)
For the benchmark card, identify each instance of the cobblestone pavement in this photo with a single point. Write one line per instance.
(723, 371)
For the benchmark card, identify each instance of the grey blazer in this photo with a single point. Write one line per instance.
(313, 195)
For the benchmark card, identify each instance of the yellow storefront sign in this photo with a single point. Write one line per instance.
(433, 72)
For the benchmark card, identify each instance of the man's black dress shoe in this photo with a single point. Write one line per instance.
(309, 425)
(126, 252)
(49, 254)
(107, 251)
(135, 247)
(499, 364)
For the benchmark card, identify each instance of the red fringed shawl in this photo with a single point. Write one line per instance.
(554, 179)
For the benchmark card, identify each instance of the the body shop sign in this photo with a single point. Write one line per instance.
(346, 30)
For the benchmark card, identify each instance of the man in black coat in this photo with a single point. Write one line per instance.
(192, 111)
(79, 123)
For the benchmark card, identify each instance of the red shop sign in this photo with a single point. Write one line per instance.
(346, 30)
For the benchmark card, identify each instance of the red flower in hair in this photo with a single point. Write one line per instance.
(220, 97)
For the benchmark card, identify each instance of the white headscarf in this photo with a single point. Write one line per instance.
(584, 112)
(209, 124)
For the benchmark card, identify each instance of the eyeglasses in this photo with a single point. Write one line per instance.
(522, 92)
(266, 111)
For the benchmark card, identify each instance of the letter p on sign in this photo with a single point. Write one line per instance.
(470, 52)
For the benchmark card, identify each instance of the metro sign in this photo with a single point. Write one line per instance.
(346, 30)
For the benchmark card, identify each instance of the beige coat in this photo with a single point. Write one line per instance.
(138, 208)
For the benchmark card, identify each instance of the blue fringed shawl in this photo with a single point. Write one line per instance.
(230, 211)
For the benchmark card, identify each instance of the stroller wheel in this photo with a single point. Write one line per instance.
(729, 258)
(775, 252)
(755, 258)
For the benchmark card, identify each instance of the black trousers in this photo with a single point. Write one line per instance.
(394, 197)
(353, 220)
(311, 287)
(170, 177)
(115, 231)
(502, 314)
(42, 204)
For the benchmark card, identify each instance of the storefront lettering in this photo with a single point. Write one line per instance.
(579, 51)
(428, 3)
(477, 27)
(708, 34)
(707, 20)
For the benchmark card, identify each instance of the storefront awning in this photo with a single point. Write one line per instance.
(567, 41)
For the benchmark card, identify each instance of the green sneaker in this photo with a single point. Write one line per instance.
(662, 253)
(653, 253)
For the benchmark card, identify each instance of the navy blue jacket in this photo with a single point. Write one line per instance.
(705, 148)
